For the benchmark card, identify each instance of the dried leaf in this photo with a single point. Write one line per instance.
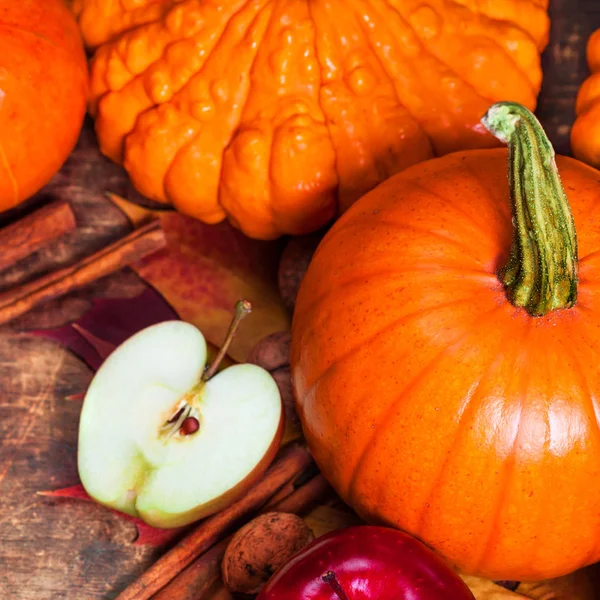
(146, 535)
(75, 492)
(104, 349)
(483, 589)
(206, 269)
(324, 519)
(109, 323)
(137, 215)
(581, 585)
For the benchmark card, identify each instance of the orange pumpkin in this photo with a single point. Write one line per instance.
(43, 94)
(447, 383)
(279, 115)
(585, 134)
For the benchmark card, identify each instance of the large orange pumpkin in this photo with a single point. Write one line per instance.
(449, 384)
(279, 114)
(43, 94)
(585, 134)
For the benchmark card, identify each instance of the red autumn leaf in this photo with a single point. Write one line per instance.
(206, 269)
(146, 535)
(106, 325)
(109, 323)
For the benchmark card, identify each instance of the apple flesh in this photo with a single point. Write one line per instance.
(159, 442)
(367, 563)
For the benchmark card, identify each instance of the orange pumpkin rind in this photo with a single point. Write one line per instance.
(279, 115)
(585, 133)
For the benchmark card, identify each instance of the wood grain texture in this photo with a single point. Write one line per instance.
(61, 549)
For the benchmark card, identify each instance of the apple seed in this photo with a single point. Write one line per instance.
(189, 426)
(176, 416)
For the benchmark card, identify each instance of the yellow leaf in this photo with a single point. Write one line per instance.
(324, 519)
(137, 214)
(206, 269)
(483, 589)
(581, 585)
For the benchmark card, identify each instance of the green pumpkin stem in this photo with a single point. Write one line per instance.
(541, 273)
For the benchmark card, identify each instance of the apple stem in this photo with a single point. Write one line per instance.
(242, 309)
(332, 581)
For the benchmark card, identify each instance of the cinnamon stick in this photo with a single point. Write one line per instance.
(36, 230)
(138, 244)
(292, 460)
(198, 579)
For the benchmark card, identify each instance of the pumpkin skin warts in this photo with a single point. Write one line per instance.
(280, 114)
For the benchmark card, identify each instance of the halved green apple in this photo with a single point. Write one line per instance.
(160, 440)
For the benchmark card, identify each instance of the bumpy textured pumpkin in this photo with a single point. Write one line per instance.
(279, 114)
(585, 134)
(449, 385)
(43, 94)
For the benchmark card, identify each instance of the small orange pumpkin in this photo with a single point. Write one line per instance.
(449, 385)
(279, 115)
(585, 134)
(43, 94)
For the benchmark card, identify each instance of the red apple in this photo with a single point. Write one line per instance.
(366, 563)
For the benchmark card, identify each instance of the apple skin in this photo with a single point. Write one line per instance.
(369, 563)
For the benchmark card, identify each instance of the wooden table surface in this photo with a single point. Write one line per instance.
(54, 549)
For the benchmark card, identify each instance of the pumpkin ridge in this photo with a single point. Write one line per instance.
(465, 215)
(537, 7)
(518, 67)
(384, 69)
(171, 39)
(508, 467)
(595, 410)
(153, 104)
(386, 329)
(268, 4)
(440, 60)
(501, 48)
(426, 269)
(350, 491)
(401, 102)
(469, 410)
(502, 215)
(590, 256)
(122, 16)
(593, 205)
(320, 102)
(236, 130)
(327, 121)
(466, 249)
